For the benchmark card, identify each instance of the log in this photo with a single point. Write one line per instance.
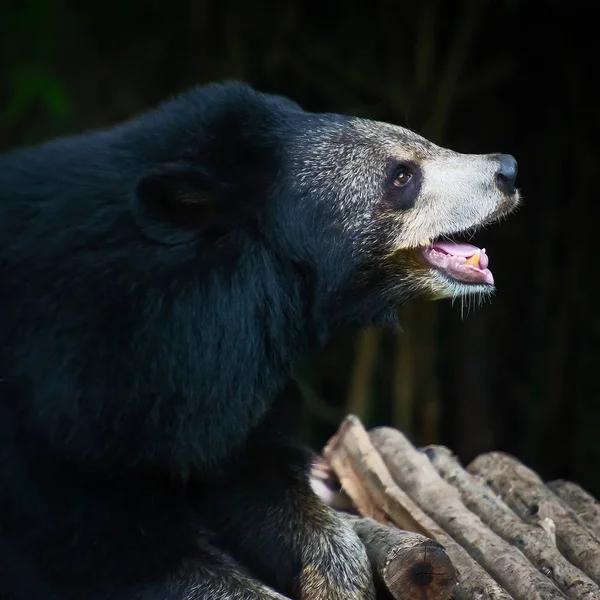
(367, 481)
(525, 493)
(532, 540)
(584, 504)
(413, 471)
(410, 565)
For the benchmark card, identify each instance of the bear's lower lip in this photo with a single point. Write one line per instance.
(462, 262)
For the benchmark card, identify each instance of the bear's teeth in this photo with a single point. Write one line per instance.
(474, 260)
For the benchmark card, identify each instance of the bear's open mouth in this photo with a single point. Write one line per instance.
(461, 262)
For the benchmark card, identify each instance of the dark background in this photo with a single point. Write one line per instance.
(520, 373)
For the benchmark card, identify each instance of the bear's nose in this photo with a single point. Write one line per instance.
(506, 176)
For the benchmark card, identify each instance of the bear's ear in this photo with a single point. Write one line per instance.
(176, 206)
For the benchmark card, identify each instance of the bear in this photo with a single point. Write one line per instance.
(160, 280)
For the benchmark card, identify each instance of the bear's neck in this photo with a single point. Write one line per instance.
(241, 338)
(205, 360)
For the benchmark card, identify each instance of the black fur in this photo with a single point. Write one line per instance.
(159, 281)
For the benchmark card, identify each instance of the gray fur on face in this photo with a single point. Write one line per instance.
(458, 193)
(345, 163)
(342, 168)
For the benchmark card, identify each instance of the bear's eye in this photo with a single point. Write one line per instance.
(402, 177)
(403, 185)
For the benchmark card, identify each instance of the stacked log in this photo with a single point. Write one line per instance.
(434, 529)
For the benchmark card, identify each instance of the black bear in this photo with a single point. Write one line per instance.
(159, 281)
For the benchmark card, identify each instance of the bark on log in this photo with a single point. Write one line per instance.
(526, 494)
(367, 481)
(583, 503)
(413, 471)
(532, 540)
(410, 565)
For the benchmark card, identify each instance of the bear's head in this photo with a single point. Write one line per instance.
(363, 210)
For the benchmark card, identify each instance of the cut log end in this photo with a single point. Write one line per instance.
(423, 571)
(409, 564)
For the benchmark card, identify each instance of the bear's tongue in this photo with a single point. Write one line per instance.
(463, 262)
